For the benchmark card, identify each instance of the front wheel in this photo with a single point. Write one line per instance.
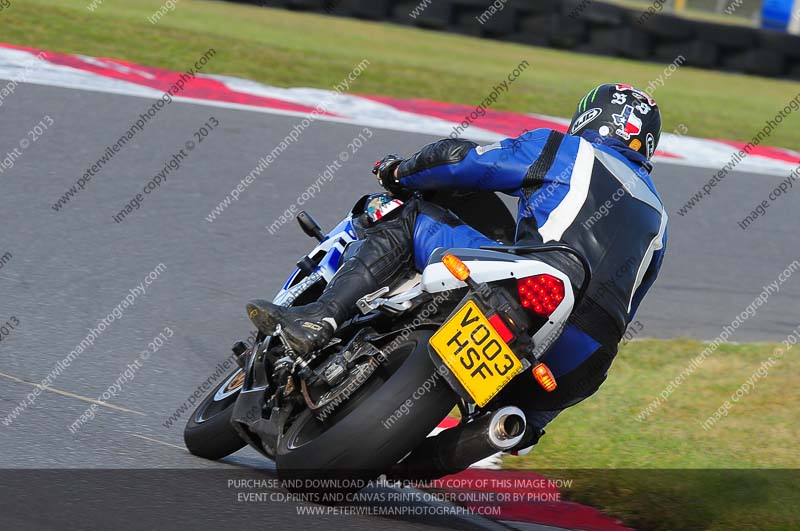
(388, 417)
(209, 433)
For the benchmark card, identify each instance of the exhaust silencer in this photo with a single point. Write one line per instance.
(455, 449)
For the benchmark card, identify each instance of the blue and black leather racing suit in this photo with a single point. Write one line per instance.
(591, 193)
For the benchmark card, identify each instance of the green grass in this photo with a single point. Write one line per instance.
(294, 49)
(678, 500)
(706, 478)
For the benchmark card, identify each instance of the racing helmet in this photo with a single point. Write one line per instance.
(623, 112)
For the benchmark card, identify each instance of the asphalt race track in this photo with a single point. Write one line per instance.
(71, 268)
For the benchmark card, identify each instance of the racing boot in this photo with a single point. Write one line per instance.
(384, 254)
(308, 328)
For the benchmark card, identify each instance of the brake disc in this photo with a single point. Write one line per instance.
(331, 400)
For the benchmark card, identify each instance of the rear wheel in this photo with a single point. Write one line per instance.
(387, 418)
(209, 433)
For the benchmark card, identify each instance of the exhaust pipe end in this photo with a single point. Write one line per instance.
(456, 449)
(507, 428)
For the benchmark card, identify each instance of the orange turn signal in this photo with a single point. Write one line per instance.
(545, 378)
(456, 267)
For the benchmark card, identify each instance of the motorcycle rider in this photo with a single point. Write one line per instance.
(589, 188)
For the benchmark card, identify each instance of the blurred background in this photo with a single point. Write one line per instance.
(753, 36)
(746, 12)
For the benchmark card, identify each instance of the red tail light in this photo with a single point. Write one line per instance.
(540, 294)
(501, 328)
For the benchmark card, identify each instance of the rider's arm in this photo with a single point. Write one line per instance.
(462, 164)
(649, 276)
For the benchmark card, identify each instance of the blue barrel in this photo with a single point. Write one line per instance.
(776, 14)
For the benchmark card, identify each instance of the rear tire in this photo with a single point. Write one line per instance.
(209, 433)
(370, 433)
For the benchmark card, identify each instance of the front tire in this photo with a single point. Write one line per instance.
(387, 419)
(209, 433)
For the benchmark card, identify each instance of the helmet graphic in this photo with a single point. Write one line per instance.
(623, 112)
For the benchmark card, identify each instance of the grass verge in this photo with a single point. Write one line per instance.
(665, 471)
(286, 48)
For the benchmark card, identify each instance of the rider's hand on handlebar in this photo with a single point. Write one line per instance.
(385, 171)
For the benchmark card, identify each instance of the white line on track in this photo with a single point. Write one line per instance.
(159, 442)
(72, 395)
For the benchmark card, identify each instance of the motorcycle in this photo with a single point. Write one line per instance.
(453, 336)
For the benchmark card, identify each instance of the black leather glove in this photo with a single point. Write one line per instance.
(384, 171)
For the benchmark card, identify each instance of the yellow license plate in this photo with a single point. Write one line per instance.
(475, 353)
